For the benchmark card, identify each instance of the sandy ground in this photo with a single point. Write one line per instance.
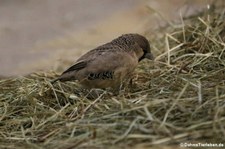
(51, 34)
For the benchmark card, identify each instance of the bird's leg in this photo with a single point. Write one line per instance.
(121, 86)
(118, 88)
(128, 83)
(131, 82)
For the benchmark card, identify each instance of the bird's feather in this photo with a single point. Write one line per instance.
(78, 66)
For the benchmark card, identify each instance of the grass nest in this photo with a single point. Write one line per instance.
(179, 98)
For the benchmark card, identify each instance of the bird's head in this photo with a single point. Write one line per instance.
(145, 47)
(136, 42)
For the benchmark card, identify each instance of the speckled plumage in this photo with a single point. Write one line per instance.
(110, 64)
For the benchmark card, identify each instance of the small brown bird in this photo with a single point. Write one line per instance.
(109, 65)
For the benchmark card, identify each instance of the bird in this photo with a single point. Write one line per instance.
(110, 64)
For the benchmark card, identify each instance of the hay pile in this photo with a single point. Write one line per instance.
(179, 98)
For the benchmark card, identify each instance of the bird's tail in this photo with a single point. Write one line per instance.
(63, 78)
(54, 80)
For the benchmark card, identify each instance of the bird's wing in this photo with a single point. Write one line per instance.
(78, 66)
(85, 59)
(110, 61)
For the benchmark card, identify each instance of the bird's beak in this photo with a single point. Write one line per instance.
(149, 56)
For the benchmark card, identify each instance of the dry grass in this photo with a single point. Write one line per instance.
(179, 98)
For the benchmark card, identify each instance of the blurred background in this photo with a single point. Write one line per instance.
(51, 34)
